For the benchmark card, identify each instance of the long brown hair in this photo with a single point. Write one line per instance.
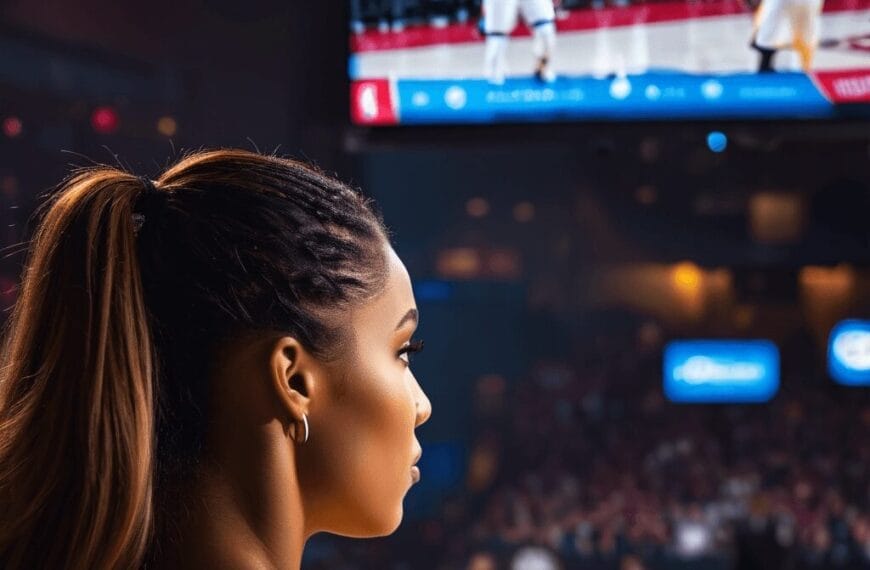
(102, 387)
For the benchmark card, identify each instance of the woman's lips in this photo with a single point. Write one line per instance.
(415, 474)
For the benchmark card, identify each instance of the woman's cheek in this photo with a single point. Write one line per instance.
(382, 449)
(360, 465)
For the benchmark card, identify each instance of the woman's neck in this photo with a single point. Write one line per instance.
(244, 507)
(245, 513)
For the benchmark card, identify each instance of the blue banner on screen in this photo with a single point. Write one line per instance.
(644, 96)
(849, 353)
(721, 371)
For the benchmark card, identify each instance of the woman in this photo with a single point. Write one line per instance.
(204, 370)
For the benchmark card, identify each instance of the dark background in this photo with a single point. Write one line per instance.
(543, 361)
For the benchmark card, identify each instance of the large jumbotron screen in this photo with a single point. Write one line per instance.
(473, 61)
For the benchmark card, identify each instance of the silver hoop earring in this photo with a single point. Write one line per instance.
(305, 421)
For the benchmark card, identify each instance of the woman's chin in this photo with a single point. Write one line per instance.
(375, 527)
(392, 524)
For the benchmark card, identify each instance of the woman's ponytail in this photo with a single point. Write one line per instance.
(77, 392)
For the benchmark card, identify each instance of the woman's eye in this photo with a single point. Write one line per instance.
(413, 346)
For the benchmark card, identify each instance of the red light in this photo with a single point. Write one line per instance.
(105, 120)
(12, 127)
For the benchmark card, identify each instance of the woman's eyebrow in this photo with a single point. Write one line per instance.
(411, 315)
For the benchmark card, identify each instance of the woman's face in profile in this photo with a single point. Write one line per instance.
(359, 469)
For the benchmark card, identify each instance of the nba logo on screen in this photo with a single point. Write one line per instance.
(371, 102)
(368, 101)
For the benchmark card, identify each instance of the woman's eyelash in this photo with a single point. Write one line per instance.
(413, 346)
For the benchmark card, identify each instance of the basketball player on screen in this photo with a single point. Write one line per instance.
(799, 17)
(500, 17)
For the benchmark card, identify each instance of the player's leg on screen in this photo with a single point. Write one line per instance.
(543, 47)
(804, 25)
(499, 20)
(494, 58)
(540, 16)
(765, 58)
(805, 52)
(768, 20)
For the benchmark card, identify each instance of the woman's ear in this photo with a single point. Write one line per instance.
(292, 374)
